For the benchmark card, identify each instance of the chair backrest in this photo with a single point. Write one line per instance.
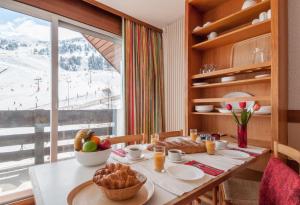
(287, 151)
(165, 135)
(137, 139)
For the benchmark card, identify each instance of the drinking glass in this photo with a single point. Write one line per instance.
(193, 134)
(159, 158)
(258, 56)
(210, 145)
(154, 138)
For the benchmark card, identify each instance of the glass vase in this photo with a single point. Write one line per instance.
(242, 136)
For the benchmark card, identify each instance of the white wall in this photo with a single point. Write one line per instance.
(294, 69)
(174, 69)
(173, 37)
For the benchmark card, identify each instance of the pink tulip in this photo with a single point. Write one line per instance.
(242, 105)
(229, 107)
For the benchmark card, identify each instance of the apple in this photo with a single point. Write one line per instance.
(105, 144)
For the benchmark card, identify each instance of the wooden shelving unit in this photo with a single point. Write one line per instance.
(235, 29)
(236, 35)
(232, 83)
(235, 19)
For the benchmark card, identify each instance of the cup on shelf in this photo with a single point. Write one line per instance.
(248, 3)
(206, 24)
(269, 14)
(212, 35)
(263, 16)
(255, 21)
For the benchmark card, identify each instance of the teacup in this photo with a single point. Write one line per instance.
(212, 35)
(269, 14)
(175, 155)
(221, 144)
(135, 153)
(263, 16)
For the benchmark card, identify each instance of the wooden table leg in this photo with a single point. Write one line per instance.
(215, 196)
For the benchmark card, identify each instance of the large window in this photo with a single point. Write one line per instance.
(86, 82)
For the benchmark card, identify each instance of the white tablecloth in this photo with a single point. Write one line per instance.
(53, 182)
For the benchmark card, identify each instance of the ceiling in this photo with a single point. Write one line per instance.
(158, 13)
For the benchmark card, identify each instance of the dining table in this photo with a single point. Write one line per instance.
(52, 182)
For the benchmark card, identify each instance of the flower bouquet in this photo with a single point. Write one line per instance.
(246, 115)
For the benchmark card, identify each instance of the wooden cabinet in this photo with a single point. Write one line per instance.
(232, 53)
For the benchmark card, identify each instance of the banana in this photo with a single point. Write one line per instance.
(80, 135)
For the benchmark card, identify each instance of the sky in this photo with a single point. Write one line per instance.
(17, 25)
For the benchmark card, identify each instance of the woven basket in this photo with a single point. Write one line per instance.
(126, 193)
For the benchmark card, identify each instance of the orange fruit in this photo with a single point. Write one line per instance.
(95, 139)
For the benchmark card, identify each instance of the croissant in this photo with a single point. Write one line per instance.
(115, 176)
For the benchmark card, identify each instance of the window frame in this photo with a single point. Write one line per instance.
(57, 21)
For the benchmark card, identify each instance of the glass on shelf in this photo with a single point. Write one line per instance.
(207, 68)
(259, 56)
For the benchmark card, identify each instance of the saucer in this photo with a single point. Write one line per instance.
(181, 161)
(135, 159)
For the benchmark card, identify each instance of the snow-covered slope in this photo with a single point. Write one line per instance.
(25, 75)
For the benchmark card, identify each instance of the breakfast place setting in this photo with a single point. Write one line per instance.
(125, 170)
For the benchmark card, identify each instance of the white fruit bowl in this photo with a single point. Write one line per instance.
(92, 158)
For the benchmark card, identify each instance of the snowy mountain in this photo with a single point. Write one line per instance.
(84, 75)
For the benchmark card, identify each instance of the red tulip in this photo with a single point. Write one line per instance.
(229, 107)
(242, 105)
(256, 107)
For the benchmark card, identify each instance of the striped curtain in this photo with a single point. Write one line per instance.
(144, 92)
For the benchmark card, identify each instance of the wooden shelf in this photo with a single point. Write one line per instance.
(237, 82)
(205, 5)
(237, 99)
(235, 19)
(230, 71)
(225, 114)
(236, 35)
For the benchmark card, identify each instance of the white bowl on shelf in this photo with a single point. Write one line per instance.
(228, 79)
(92, 158)
(204, 108)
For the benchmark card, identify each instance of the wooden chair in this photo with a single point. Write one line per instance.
(128, 139)
(165, 135)
(231, 189)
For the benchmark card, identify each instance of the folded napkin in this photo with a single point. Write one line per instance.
(205, 168)
(252, 154)
(119, 152)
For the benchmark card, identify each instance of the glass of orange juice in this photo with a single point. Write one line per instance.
(193, 134)
(159, 158)
(210, 145)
